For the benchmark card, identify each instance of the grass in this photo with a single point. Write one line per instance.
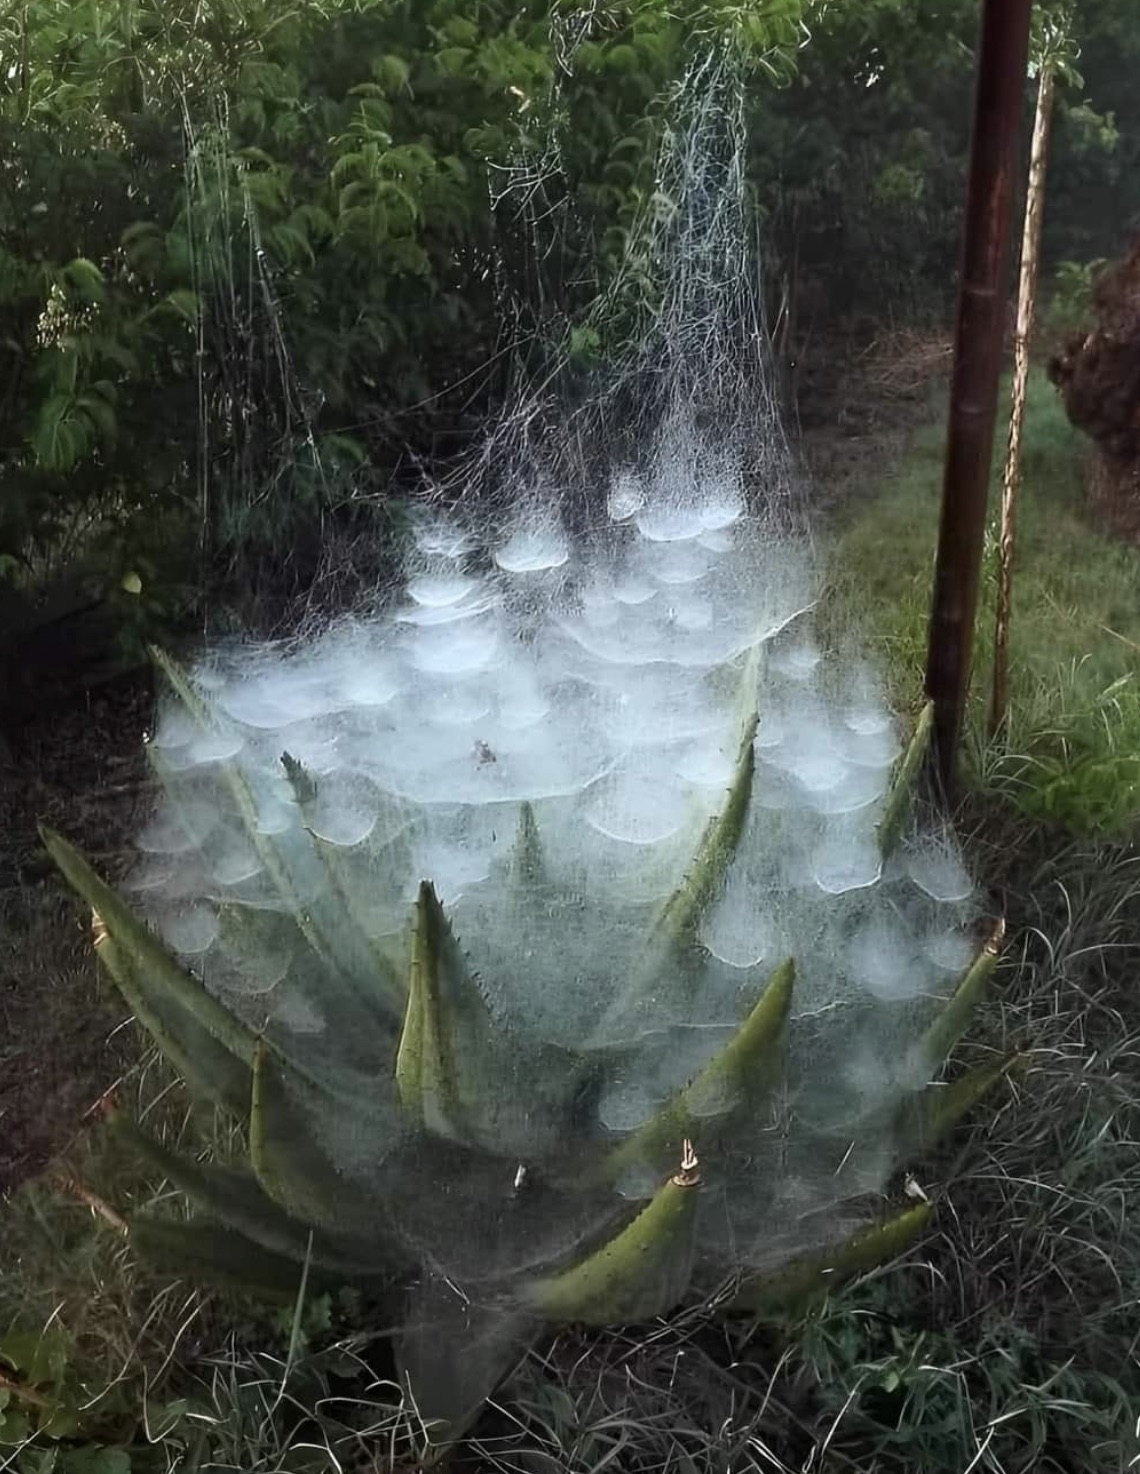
(88, 1339)
(106, 1364)
(1011, 1339)
(1071, 751)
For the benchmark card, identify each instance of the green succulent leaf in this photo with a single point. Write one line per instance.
(956, 1013)
(244, 803)
(446, 1063)
(193, 1029)
(234, 1197)
(301, 781)
(900, 795)
(683, 911)
(384, 990)
(731, 1086)
(216, 1255)
(227, 1194)
(293, 1167)
(789, 1291)
(211, 1071)
(943, 1106)
(640, 1273)
(183, 687)
(527, 862)
(285, 1160)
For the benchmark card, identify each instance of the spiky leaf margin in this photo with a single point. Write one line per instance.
(190, 1026)
(640, 1273)
(742, 1075)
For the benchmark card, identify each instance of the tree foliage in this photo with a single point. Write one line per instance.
(861, 163)
(256, 259)
(205, 208)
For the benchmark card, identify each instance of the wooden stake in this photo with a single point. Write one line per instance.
(1026, 302)
(1003, 62)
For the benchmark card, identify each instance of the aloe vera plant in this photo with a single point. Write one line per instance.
(557, 978)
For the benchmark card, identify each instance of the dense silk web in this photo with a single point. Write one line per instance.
(542, 722)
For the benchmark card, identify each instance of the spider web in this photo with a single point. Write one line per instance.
(598, 604)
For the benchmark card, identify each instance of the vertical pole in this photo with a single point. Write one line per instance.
(1026, 303)
(1003, 61)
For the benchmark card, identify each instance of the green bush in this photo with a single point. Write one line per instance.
(249, 259)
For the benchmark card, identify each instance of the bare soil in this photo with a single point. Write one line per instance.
(79, 768)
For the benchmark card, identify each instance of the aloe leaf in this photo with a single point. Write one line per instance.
(217, 1255)
(900, 795)
(748, 690)
(735, 1080)
(210, 1071)
(682, 912)
(387, 989)
(301, 781)
(286, 1160)
(255, 938)
(251, 933)
(956, 1013)
(941, 1107)
(182, 686)
(171, 1003)
(527, 865)
(291, 1119)
(290, 1162)
(227, 1194)
(235, 1198)
(447, 1062)
(411, 1065)
(640, 1273)
(789, 1291)
(244, 802)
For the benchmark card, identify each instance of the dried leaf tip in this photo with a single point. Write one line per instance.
(690, 1171)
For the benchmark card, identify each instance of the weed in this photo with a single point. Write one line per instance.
(677, 1397)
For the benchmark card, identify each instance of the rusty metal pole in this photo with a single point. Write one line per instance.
(1003, 62)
